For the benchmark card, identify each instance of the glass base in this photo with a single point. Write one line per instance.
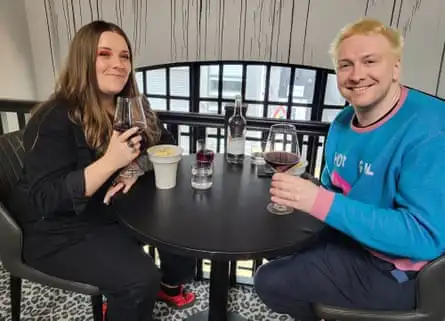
(279, 209)
(132, 170)
(257, 158)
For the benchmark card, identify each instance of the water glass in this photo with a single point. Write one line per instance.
(202, 176)
(256, 153)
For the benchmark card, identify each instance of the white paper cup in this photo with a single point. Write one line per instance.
(165, 160)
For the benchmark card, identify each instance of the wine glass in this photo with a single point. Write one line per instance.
(204, 156)
(130, 113)
(281, 153)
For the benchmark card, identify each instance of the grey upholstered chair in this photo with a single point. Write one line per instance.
(430, 302)
(11, 162)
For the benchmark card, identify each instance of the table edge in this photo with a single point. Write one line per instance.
(222, 255)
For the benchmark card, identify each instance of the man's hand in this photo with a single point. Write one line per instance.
(121, 184)
(293, 191)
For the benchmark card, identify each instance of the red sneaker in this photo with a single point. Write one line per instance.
(104, 311)
(183, 300)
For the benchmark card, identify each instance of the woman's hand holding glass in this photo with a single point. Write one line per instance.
(130, 113)
(123, 148)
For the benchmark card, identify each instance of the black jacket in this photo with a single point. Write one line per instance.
(48, 200)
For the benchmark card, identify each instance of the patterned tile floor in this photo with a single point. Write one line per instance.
(40, 303)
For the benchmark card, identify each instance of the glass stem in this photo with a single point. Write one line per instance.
(279, 207)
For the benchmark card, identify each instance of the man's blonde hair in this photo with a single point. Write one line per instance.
(367, 26)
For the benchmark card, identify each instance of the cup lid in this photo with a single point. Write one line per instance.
(164, 152)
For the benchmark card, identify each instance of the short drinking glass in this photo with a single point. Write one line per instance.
(257, 152)
(202, 176)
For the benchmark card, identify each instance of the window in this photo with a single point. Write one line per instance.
(208, 107)
(168, 88)
(184, 138)
(267, 89)
(158, 103)
(277, 111)
(303, 89)
(140, 81)
(301, 113)
(156, 82)
(329, 114)
(179, 81)
(279, 84)
(179, 105)
(255, 110)
(9, 121)
(209, 81)
(255, 82)
(232, 80)
(332, 96)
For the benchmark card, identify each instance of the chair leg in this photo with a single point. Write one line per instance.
(96, 300)
(15, 287)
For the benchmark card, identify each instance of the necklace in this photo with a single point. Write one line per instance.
(357, 124)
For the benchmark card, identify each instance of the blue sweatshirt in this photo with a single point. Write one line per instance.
(384, 185)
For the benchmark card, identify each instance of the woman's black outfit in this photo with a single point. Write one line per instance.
(78, 238)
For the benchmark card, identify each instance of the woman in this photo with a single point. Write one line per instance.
(71, 172)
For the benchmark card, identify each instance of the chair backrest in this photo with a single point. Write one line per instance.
(11, 163)
(430, 288)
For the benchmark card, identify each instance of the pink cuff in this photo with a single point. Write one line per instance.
(322, 204)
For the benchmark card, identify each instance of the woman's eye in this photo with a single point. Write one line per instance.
(104, 53)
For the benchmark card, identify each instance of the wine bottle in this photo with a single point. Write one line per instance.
(236, 134)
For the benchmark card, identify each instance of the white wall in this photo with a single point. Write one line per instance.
(290, 31)
(16, 70)
(17, 80)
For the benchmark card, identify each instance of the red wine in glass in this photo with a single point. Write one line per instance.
(281, 161)
(144, 140)
(130, 113)
(123, 126)
(204, 155)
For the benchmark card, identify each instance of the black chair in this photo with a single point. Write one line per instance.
(11, 162)
(430, 301)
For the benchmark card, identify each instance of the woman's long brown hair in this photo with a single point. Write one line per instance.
(77, 84)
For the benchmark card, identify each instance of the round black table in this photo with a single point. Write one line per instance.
(228, 222)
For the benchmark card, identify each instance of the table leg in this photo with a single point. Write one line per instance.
(219, 292)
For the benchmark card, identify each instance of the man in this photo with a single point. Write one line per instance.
(382, 192)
